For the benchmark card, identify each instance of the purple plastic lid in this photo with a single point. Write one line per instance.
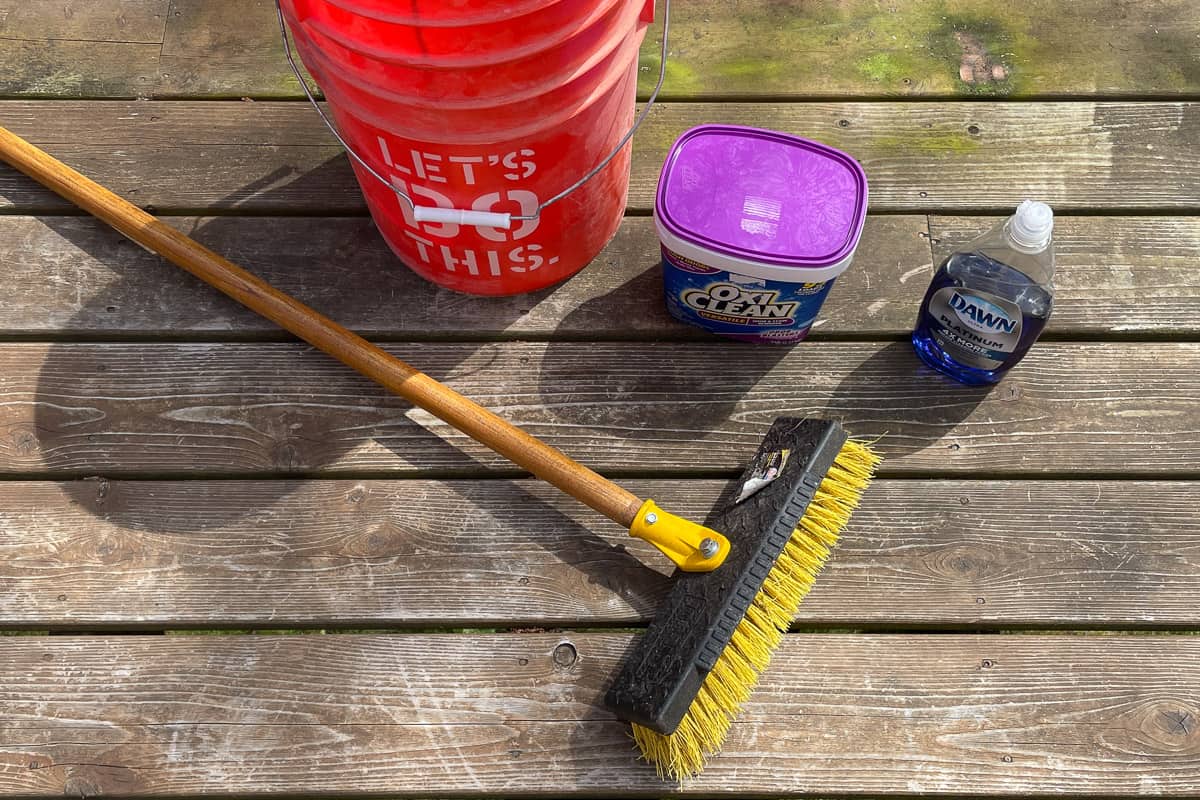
(762, 196)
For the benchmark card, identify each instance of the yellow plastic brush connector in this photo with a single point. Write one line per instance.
(693, 548)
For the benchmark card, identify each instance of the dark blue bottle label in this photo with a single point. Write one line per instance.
(976, 329)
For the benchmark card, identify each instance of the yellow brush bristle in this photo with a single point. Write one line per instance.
(706, 724)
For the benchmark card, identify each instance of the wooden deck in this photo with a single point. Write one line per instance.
(228, 566)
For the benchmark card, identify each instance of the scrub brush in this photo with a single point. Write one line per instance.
(699, 660)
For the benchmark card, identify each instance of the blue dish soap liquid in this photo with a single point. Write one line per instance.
(988, 302)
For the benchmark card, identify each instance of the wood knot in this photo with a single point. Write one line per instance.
(1177, 721)
(961, 562)
(110, 549)
(106, 547)
(25, 441)
(380, 541)
(94, 780)
(1168, 725)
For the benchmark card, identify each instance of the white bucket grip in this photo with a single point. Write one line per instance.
(481, 219)
(458, 216)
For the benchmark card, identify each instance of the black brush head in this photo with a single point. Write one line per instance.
(663, 673)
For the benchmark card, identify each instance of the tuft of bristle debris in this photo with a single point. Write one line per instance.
(735, 674)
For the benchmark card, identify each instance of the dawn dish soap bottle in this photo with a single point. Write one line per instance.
(989, 301)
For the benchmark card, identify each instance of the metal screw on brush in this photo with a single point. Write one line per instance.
(651, 518)
(709, 547)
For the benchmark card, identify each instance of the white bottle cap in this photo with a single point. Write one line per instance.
(1032, 226)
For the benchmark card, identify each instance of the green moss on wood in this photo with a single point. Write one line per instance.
(933, 143)
(681, 79)
(883, 68)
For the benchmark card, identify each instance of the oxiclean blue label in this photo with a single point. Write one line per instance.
(743, 307)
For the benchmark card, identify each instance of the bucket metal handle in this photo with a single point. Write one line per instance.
(462, 216)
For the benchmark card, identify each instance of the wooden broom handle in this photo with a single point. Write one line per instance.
(474, 420)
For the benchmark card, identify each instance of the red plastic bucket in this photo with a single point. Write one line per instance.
(485, 106)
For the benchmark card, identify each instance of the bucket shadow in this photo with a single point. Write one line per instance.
(145, 293)
(298, 431)
(284, 428)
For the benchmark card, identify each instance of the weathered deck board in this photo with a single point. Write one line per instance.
(419, 715)
(252, 408)
(125, 22)
(751, 48)
(934, 157)
(142, 48)
(1116, 276)
(80, 277)
(420, 553)
(81, 48)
